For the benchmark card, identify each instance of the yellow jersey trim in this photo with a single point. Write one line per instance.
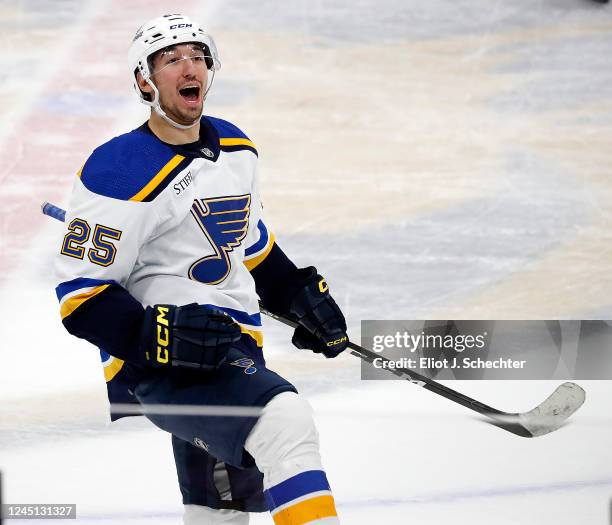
(306, 511)
(156, 181)
(256, 261)
(255, 334)
(112, 369)
(71, 304)
(236, 142)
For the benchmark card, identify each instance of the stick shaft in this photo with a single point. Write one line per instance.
(406, 373)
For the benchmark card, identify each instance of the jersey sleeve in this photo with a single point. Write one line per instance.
(259, 239)
(102, 239)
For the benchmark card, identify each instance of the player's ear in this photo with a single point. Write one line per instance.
(143, 84)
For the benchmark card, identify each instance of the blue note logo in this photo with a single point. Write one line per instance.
(245, 363)
(224, 222)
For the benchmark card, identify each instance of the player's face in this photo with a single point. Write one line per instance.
(181, 76)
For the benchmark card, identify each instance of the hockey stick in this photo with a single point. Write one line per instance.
(543, 419)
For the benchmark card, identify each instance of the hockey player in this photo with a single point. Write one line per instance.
(165, 255)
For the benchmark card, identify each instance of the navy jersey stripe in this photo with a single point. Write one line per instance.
(168, 179)
(239, 147)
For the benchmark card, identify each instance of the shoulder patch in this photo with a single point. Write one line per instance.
(135, 166)
(231, 138)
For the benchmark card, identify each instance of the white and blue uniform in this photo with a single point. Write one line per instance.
(153, 223)
(160, 221)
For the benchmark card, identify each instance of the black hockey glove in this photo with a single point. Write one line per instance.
(322, 327)
(190, 336)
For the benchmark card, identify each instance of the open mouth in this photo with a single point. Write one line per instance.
(190, 93)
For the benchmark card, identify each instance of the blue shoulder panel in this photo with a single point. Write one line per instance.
(123, 166)
(231, 138)
(226, 129)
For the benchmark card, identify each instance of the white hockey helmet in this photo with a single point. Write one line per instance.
(161, 32)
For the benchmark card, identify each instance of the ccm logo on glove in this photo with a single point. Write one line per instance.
(321, 325)
(190, 336)
(338, 341)
(163, 335)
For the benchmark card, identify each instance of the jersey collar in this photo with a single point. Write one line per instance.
(206, 147)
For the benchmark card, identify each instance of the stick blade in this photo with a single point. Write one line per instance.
(549, 415)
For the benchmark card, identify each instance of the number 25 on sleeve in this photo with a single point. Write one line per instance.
(103, 250)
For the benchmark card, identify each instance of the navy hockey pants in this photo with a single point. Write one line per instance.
(202, 442)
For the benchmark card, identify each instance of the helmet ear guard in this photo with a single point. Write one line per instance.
(142, 94)
(208, 58)
(146, 98)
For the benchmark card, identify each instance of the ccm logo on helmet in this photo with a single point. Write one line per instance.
(179, 26)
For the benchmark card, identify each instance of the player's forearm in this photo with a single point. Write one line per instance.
(162, 336)
(276, 280)
(112, 320)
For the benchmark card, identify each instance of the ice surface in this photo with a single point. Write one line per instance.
(434, 160)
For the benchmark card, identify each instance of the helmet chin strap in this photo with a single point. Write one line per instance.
(163, 115)
(157, 107)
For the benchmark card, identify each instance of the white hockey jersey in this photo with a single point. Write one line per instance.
(170, 224)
